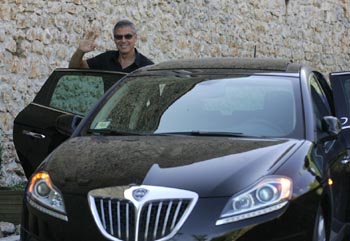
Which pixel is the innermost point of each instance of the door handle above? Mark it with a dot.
(33, 134)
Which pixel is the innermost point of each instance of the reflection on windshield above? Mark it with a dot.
(251, 105)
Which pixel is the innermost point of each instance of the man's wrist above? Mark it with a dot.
(79, 51)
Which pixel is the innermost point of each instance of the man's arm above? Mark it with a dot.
(77, 60)
(85, 45)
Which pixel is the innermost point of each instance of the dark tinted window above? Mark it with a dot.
(77, 93)
(344, 107)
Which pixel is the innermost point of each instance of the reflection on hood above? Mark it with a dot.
(92, 162)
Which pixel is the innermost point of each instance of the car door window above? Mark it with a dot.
(341, 89)
(77, 93)
(340, 82)
(343, 96)
(346, 84)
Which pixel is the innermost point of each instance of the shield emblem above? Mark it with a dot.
(139, 193)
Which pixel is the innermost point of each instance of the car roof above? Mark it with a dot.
(226, 64)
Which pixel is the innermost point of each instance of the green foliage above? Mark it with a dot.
(18, 187)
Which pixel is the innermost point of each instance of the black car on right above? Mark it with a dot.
(218, 149)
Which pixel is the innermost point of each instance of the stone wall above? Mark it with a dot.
(37, 36)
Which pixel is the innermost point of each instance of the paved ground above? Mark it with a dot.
(10, 238)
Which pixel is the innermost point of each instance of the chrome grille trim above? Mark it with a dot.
(110, 216)
(147, 220)
(166, 217)
(127, 222)
(103, 214)
(118, 215)
(140, 213)
(176, 214)
(157, 221)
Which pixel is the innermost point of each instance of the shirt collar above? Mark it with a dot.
(138, 58)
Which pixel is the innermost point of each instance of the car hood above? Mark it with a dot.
(209, 166)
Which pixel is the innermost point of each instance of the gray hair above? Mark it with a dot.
(125, 23)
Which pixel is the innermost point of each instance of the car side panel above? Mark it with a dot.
(35, 135)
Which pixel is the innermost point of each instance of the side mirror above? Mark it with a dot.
(332, 126)
(66, 124)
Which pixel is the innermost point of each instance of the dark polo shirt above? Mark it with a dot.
(109, 61)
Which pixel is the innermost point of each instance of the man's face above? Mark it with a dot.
(124, 39)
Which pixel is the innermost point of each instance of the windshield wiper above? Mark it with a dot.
(204, 133)
(110, 132)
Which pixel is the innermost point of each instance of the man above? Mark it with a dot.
(126, 59)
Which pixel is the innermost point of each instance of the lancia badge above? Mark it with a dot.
(139, 193)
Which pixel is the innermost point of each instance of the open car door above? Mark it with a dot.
(66, 91)
(340, 82)
(340, 173)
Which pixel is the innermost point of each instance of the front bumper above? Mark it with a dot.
(293, 222)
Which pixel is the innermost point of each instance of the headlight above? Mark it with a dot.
(44, 196)
(268, 195)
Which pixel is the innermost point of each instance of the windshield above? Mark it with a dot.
(246, 105)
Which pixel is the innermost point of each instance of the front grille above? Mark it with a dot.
(157, 219)
(150, 220)
(117, 217)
